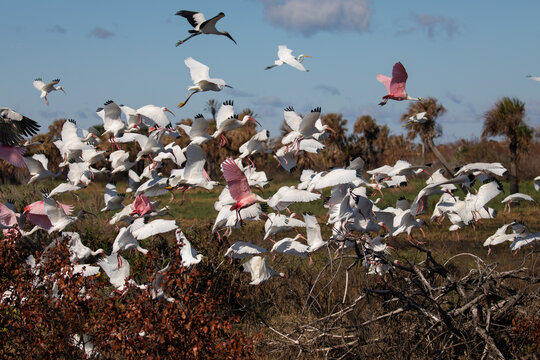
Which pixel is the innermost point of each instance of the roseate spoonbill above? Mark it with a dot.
(395, 85)
(57, 216)
(201, 25)
(47, 88)
(200, 75)
(285, 57)
(259, 269)
(14, 125)
(238, 186)
(13, 155)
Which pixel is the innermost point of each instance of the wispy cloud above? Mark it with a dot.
(57, 29)
(328, 89)
(101, 33)
(311, 16)
(270, 101)
(432, 25)
(53, 115)
(239, 93)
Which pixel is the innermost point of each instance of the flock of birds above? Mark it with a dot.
(349, 208)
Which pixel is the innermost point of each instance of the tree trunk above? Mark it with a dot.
(513, 174)
(439, 156)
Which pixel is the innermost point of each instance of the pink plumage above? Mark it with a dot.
(238, 185)
(395, 86)
(141, 205)
(35, 213)
(13, 155)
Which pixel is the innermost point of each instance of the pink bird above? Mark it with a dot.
(13, 155)
(35, 213)
(395, 86)
(238, 187)
(8, 218)
(141, 205)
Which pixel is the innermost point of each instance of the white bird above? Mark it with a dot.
(201, 25)
(126, 240)
(134, 181)
(120, 161)
(291, 246)
(227, 120)
(480, 167)
(285, 57)
(150, 144)
(524, 238)
(302, 127)
(197, 132)
(38, 168)
(112, 121)
(47, 88)
(142, 229)
(70, 144)
(194, 174)
(57, 216)
(78, 251)
(254, 145)
(535, 78)
(516, 197)
(277, 223)
(116, 268)
(200, 75)
(187, 253)
(242, 249)
(313, 232)
(418, 118)
(156, 115)
(113, 200)
(259, 269)
(500, 236)
(287, 195)
(536, 182)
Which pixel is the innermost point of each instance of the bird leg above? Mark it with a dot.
(385, 100)
(119, 259)
(252, 164)
(223, 140)
(184, 102)
(180, 42)
(47, 101)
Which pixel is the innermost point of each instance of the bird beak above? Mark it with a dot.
(230, 37)
(169, 111)
(64, 91)
(329, 128)
(255, 121)
(229, 86)
(307, 56)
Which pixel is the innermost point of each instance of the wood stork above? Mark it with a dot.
(14, 125)
(201, 25)
(47, 88)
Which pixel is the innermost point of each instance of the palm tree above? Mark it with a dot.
(212, 108)
(428, 130)
(506, 118)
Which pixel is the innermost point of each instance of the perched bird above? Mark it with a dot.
(200, 75)
(285, 57)
(47, 88)
(201, 25)
(14, 125)
(395, 85)
(259, 269)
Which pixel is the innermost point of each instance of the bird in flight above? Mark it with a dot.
(14, 125)
(201, 25)
(285, 57)
(395, 85)
(47, 88)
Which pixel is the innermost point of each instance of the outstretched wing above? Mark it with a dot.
(236, 180)
(399, 78)
(194, 18)
(197, 70)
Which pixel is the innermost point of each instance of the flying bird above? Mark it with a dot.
(47, 88)
(201, 25)
(200, 75)
(395, 85)
(535, 78)
(285, 57)
(14, 125)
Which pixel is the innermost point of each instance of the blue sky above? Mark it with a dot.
(467, 54)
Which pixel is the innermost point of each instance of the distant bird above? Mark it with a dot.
(285, 57)
(395, 85)
(418, 118)
(57, 216)
(14, 125)
(197, 132)
(287, 195)
(201, 25)
(47, 88)
(116, 268)
(292, 246)
(303, 128)
(238, 187)
(120, 161)
(200, 75)
(259, 269)
(277, 223)
(8, 217)
(187, 253)
(535, 78)
(77, 250)
(242, 249)
(113, 200)
(225, 124)
(516, 197)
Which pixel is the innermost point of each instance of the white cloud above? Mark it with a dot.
(311, 16)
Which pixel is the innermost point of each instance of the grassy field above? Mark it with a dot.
(310, 291)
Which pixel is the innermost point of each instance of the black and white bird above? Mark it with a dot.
(201, 25)
(14, 125)
(47, 88)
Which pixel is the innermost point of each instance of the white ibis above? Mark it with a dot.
(201, 25)
(187, 253)
(259, 269)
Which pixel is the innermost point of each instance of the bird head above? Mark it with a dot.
(302, 56)
(249, 118)
(169, 111)
(61, 89)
